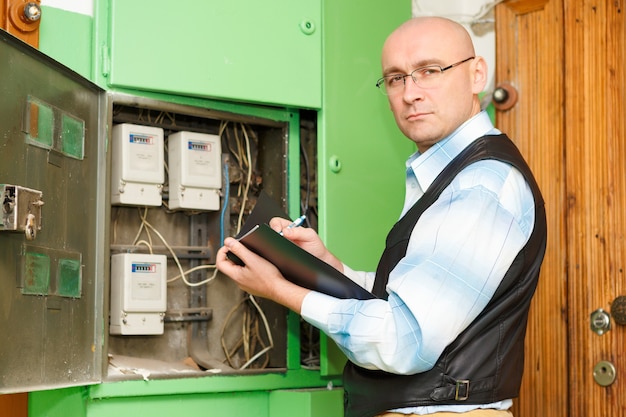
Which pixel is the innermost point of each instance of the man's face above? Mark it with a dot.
(427, 115)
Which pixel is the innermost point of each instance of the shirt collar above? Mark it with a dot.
(428, 165)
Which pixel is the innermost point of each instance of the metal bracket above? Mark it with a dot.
(21, 210)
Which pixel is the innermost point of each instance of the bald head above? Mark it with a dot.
(454, 31)
(439, 38)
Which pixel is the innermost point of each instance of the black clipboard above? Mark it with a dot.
(296, 264)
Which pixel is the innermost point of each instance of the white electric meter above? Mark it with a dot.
(138, 293)
(137, 165)
(195, 173)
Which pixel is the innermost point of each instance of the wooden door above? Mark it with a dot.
(14, 405)
(566, 61)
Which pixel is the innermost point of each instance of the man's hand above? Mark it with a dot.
(259, 277)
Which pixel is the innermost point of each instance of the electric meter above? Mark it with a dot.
(195, 173)
(138, 293)
(137, 165)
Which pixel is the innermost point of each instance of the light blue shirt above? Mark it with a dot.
(458, 253)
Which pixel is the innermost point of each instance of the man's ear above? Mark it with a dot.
(479, 74)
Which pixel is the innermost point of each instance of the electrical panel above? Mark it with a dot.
(137, 165)
(195, 174)
(138, 293)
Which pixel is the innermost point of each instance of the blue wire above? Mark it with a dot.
(226, 196)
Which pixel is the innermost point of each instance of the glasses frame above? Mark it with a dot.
(381, 80)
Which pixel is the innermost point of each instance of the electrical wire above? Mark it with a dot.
(238, 142)
(143, 242)
(309, 346)
(225, 204)
(250, 334)
(248, 178)
(304, 203)
(267, 329)
(183, 275)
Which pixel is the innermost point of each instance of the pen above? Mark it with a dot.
(295, 223)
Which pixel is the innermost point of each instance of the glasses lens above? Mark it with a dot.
(392, 84)
(381, 86)
(427, 77)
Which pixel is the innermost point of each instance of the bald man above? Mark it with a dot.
(446, 332)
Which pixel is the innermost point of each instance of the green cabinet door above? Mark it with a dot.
(243, 50)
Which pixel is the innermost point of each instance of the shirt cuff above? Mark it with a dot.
(317, 308)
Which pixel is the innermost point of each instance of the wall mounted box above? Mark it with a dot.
(195, 170)
(137, 165)
(138, 293)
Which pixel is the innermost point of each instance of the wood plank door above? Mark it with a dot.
(565, 59)
(14, 405)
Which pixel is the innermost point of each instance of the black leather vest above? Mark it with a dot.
(486, 361)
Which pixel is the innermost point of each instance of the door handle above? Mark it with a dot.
(618, 310)
(504, 96)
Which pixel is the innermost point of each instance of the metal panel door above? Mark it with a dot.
(52, 165)
(242, 50)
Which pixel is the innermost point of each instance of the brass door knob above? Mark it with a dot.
(618, 310)
(504, 96)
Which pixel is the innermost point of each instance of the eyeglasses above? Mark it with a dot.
(428, 76)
